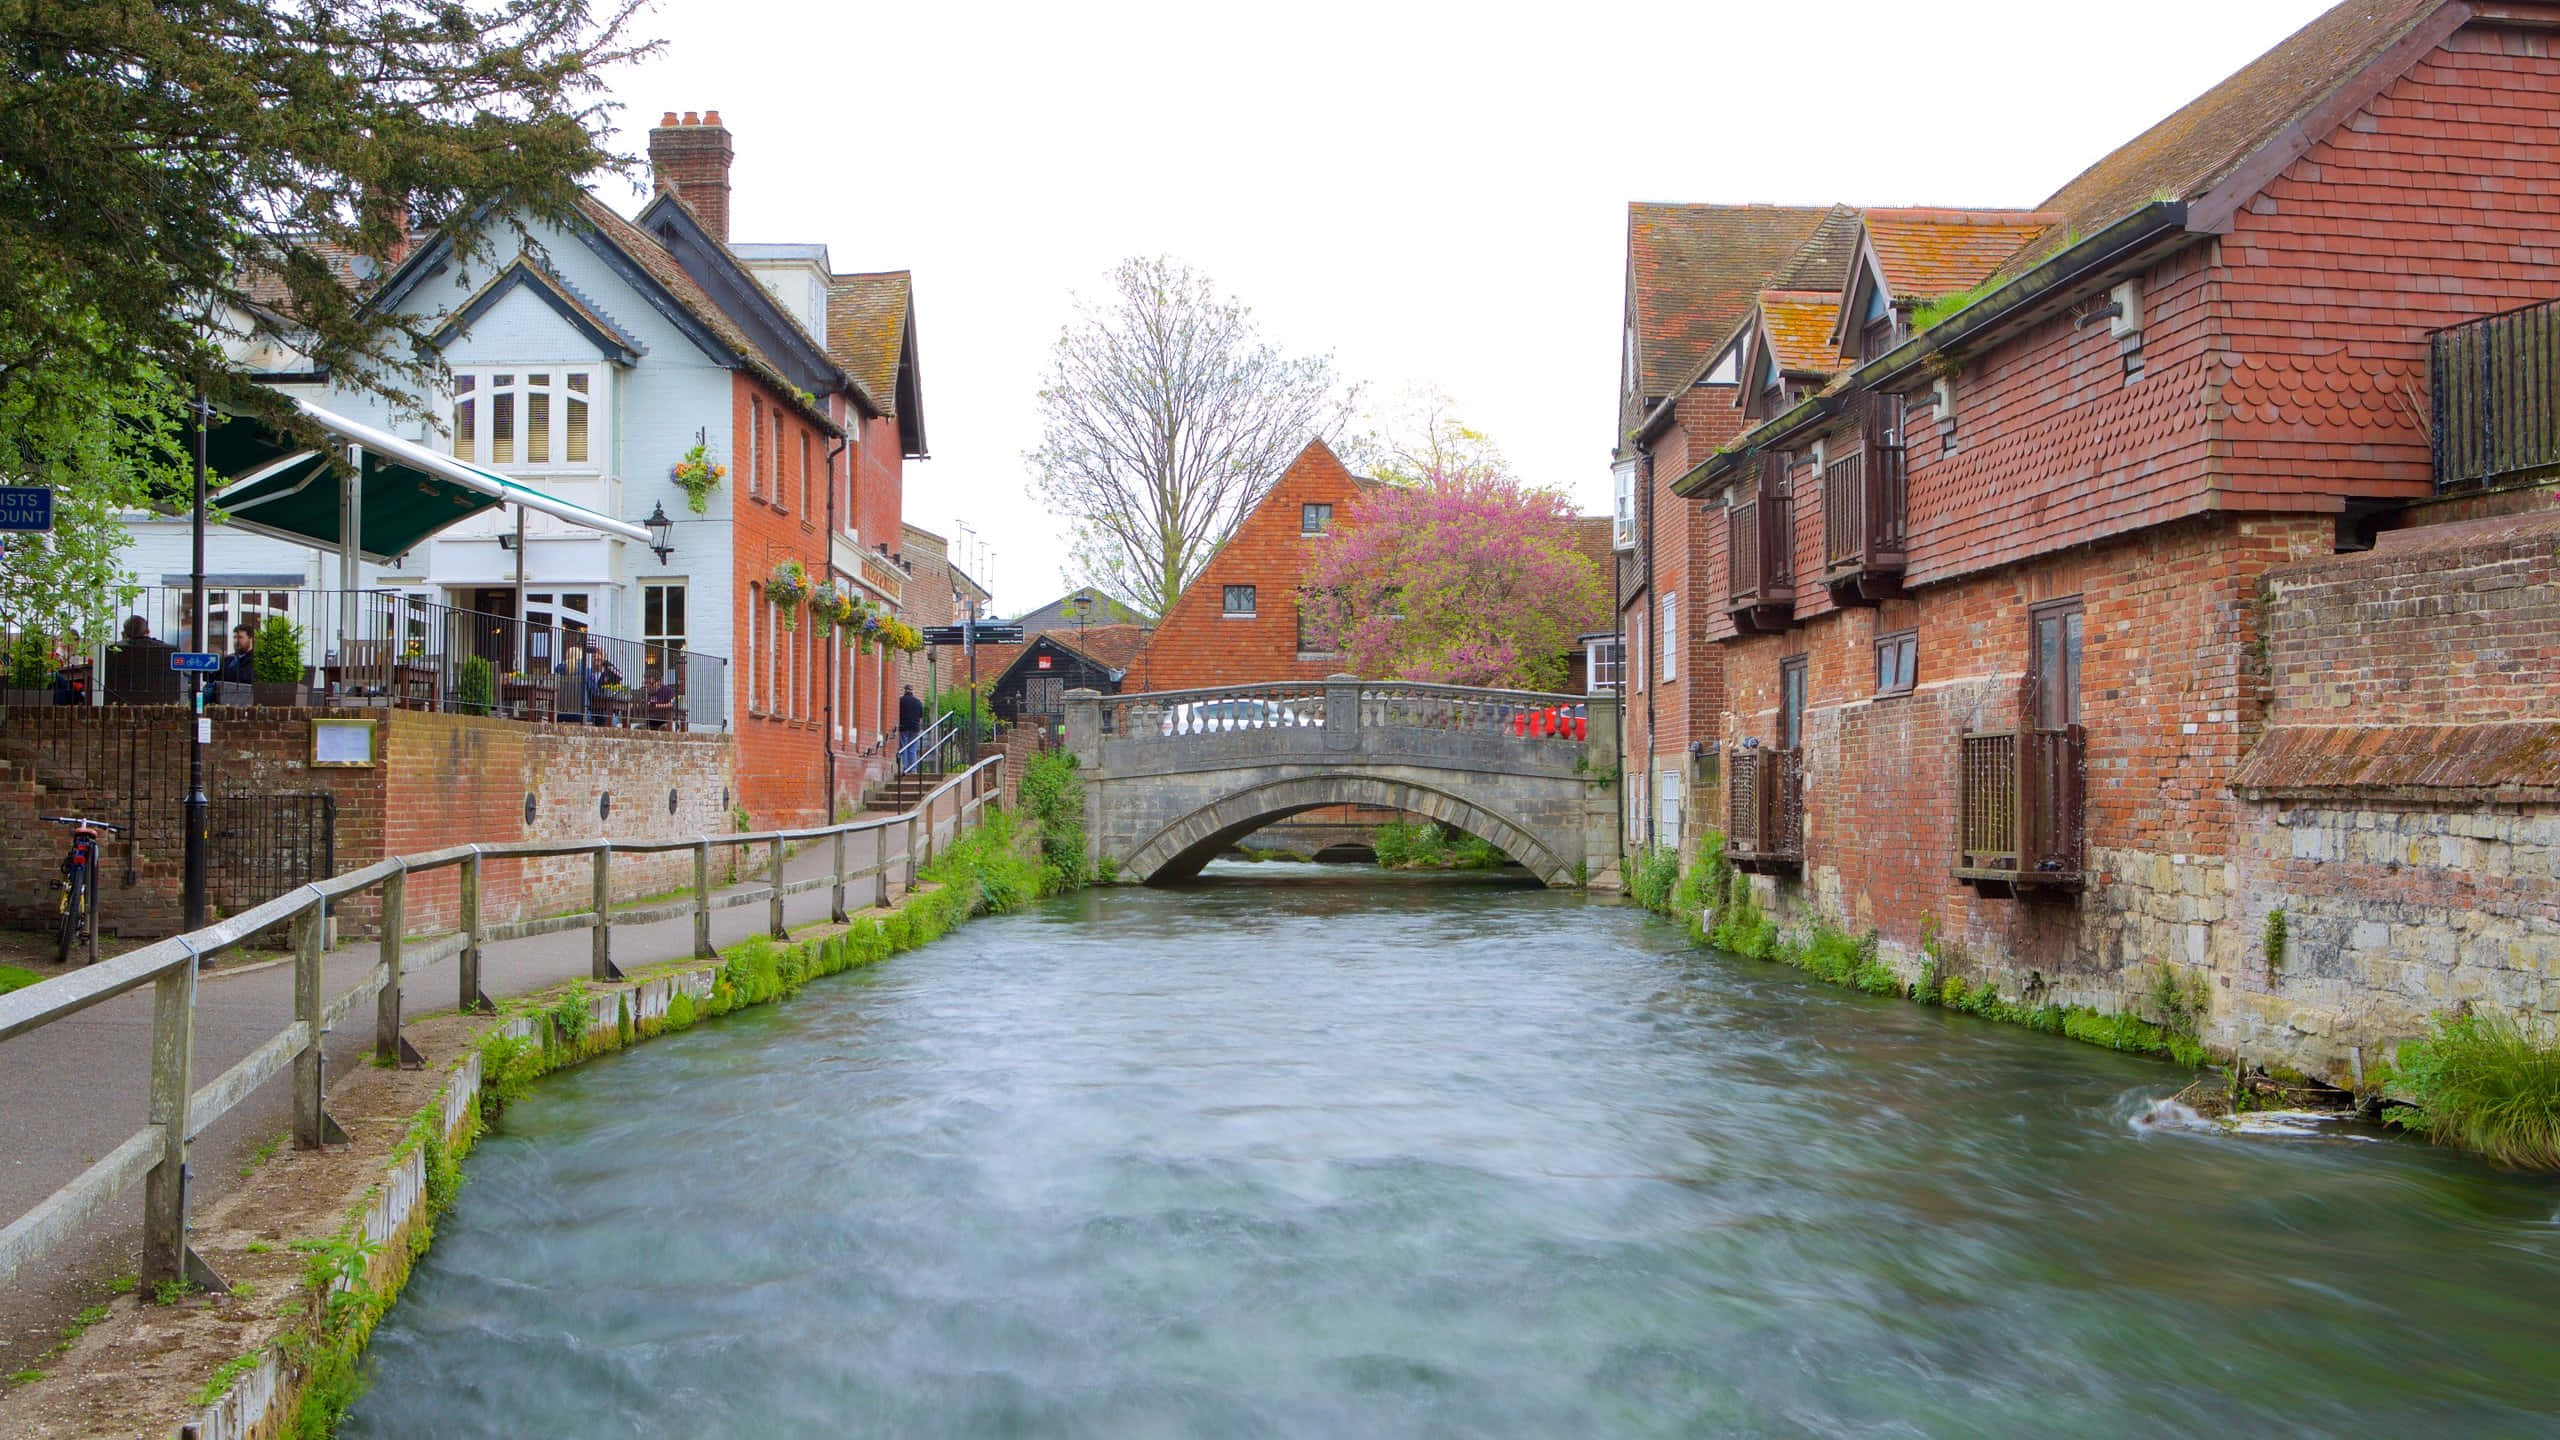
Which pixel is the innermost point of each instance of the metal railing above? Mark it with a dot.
(2022, 805)
(929, 752)
(180, 1110)
(1382, 704)
(408, 651)
(2494, 395)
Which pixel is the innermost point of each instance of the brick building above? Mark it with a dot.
(1237, 621)
(1988, 562)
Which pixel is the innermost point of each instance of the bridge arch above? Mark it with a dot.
(1179, 849)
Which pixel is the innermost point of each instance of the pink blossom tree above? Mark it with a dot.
(1466, 577)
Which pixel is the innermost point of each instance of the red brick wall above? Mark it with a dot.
(444, 780)
(781, 765)
(2170, 698)
(1197, 645)
(1661, 720)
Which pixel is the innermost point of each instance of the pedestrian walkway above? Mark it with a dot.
(75, 1089)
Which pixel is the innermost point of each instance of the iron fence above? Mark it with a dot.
(396, 647)
(263, 845)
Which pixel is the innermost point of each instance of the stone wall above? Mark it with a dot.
(444, 780)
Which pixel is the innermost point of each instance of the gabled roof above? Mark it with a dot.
(2270, 102)
(784, 342)
(1923, 254)
(1113, 647)
(1797, 325)
(871, 332)
(559, 295)
(1822, 261)
(1693, 271)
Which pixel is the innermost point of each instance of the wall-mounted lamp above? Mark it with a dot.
(661, 532)
(506, 539)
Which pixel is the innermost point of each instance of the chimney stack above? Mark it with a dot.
(690, 156)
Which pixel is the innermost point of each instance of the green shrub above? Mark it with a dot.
(30, 662)
(276, 654)
(2486, 1084)
(1740, 926)
(474, 685)
(1472, 853)
(1053, 800)
(1657, 871)
(1399, 845)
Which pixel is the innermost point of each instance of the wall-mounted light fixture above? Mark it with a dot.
(506, 539)
(661, 532)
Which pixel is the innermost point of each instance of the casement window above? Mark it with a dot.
(1604, 665)
(755, 446)
(2053, 673)
(804, 470)
(1311, 644)
(747, 666)
(1622, 524)
(1239, 602)
(1666, 809)
(1897, 662)
(1773, 386)
(1637, 648)
(1315, 519)
(554, 621)
(527, 419)
(662, 634)
(1670, 638)
(1791, 682)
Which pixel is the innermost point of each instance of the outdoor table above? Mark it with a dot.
(536, 699)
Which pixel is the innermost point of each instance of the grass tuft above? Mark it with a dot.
(2486, 1084)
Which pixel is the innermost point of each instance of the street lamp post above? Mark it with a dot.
(196, 819)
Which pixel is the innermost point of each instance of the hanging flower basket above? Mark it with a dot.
(699, 474)
(832, 606)
(788, 587)
(899, 635)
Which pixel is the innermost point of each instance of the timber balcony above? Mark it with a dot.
(1863, 511)
(2494, 388)
(1760, 560)
(2022, 811)
(1764, 811)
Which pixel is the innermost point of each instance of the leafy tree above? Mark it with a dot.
(178, 174)
(1417, 434)
(104, 449)
(1463, 579)
(1164, 417)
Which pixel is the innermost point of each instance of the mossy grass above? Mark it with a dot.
(2483, 1083)
(16, 977)
(1429, 847)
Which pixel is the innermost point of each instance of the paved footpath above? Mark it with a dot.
(75, 1089)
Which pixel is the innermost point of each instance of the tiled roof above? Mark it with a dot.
(867, 328)
(2512, 761)
(264, 284)
(645, 252)
(1694, 270)
(1115, 647)
(2188, 153)
(1822, 261)
(1928, 253)
(1799, 323)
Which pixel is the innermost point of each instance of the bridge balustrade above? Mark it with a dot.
(1413, 705)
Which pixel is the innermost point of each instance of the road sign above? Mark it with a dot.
(203, 662)
(987, 632)
(26, 507)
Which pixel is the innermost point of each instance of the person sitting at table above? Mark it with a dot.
(662, 701)
(573, 661)
(240, 667)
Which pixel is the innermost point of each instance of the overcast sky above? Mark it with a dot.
(1435, 194)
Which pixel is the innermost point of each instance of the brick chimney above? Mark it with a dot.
(690, 156)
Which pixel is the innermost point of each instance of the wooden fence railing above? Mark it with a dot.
(180, 1110)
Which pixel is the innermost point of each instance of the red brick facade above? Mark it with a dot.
(782, 670)
(2260, 404)
(1199, 644)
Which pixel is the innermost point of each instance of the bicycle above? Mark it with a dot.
(77, 890)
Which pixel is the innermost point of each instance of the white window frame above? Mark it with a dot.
(1636, 652)
(1666, 823)
(1604, 665)
(482, 392)
(747, 665)
(1622, 526)
(1670, 638)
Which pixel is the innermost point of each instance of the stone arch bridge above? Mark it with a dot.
(1173, 778)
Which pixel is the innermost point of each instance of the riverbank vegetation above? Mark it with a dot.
(1052, 796)
(1428, 847)
(2486, 1084)
(1716, 902)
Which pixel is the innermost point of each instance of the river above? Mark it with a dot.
(1308, 1151)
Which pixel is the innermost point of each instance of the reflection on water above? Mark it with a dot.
(1310, 1151)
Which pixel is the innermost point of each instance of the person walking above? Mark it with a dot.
(910, 721)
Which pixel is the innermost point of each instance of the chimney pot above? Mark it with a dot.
(710, 117)
(669, 119)
(691, 118)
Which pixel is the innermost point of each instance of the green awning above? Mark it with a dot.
(271, 485)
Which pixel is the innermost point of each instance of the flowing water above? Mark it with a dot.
(1316, 1152)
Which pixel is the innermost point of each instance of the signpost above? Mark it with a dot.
(195, 662)
(26, 507)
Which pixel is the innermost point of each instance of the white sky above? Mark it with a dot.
(1433, 193)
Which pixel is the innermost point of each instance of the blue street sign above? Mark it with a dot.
(198, 660)
(26, 507)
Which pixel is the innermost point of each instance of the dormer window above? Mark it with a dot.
(1773, 387)
(1878, 326)
(1726, 371)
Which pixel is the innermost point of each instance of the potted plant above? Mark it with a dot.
(699, 474)
(30, 672)
(275, 663)
(787, 587)
(475, 685)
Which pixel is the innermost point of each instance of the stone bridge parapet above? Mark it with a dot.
(1174, 778)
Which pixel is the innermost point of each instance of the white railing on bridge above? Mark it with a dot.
(180, 1111)
(1380, 704)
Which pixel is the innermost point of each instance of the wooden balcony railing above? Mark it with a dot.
(1760, 554)
(2494, 388)
(1864, 515)
(1764, 810)
(2022, 810)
